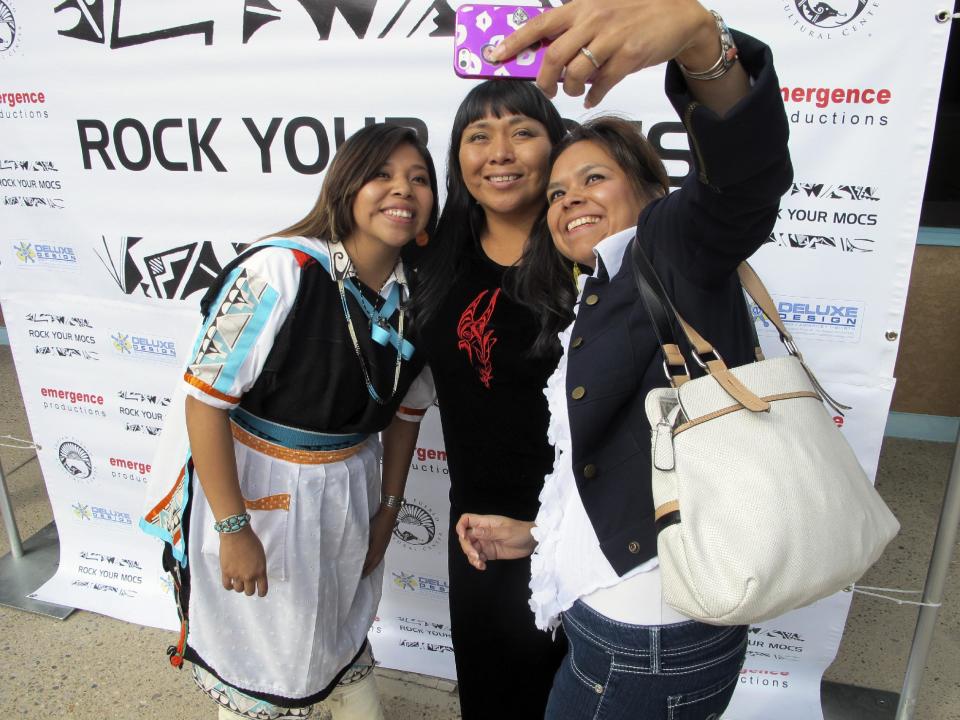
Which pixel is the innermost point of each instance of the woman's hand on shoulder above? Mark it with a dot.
(622, 36)
(494, 537)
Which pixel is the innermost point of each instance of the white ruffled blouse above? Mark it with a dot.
(568, 563)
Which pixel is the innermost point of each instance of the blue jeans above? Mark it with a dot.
(684, 671)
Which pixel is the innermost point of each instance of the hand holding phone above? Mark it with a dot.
(480, 28)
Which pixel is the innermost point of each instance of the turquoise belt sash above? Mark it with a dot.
(291, 437)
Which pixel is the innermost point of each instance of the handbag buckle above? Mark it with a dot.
(701, 362)
(666, 371)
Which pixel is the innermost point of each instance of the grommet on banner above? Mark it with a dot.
(946, 16)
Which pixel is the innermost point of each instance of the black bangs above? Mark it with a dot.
(463, 220)
(508, 97)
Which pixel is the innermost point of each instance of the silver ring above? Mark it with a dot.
(590, 56)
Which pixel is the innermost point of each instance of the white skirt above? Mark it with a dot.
(314, 527)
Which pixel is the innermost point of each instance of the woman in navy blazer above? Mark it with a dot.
(594, 540)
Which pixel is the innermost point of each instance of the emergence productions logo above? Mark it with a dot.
(129, 469)
(828, 20)
(144, 347)
(73, 401)
(75, 460)
(430, 460)
(834, 320)
(417, 527)
(9, 34)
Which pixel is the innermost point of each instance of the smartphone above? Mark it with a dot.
(480, 28)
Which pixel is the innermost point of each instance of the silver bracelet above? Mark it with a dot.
(728, 55)
(232, 524)
(393, 501)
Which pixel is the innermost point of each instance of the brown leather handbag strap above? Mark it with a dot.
(660, 308)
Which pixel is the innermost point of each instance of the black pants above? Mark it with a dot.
(505, 665)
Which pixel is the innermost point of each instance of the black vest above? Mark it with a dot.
(312, 377)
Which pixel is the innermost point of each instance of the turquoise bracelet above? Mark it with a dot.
(232, 524)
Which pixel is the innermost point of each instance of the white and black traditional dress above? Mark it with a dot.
(307, 398)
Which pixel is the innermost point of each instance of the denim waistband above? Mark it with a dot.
(291, 437)
(676, 639)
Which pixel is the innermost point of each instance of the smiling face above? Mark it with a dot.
(590, 197)
(393, 206)
(504, 163)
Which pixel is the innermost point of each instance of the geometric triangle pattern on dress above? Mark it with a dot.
(240, 304)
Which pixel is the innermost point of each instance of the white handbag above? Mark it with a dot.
(761, 504)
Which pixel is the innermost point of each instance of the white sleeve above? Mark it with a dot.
(237, 336)
(419, 397)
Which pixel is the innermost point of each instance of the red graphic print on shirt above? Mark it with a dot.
(474, 337)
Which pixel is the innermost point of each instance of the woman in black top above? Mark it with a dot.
(489, 374)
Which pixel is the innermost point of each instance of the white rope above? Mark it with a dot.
(864, 590)
(945, 16)
(24, 444)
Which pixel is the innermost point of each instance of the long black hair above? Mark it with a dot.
(462, 220)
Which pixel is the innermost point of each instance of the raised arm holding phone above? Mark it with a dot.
(594, 562)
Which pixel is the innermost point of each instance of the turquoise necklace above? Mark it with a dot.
(381, 331)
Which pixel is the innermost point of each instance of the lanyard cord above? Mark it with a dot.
(384, 324)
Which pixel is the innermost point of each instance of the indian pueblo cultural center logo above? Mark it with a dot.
(830, 20)
(416, 526)
(75, 460)
(9, 30)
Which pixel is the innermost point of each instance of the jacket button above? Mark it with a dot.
(578, 392)
(577, 342)
(589, 471)
(592, 299)
(634, 547)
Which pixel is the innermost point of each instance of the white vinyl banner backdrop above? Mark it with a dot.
(142, 143)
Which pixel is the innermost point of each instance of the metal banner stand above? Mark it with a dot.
(933, 590)
(847, 702)
(28, 564)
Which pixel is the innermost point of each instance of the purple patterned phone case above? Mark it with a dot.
(482, 27)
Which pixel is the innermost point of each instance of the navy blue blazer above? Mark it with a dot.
(695, 238)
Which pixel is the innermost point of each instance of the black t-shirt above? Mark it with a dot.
(490, 391)
(312, 378)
